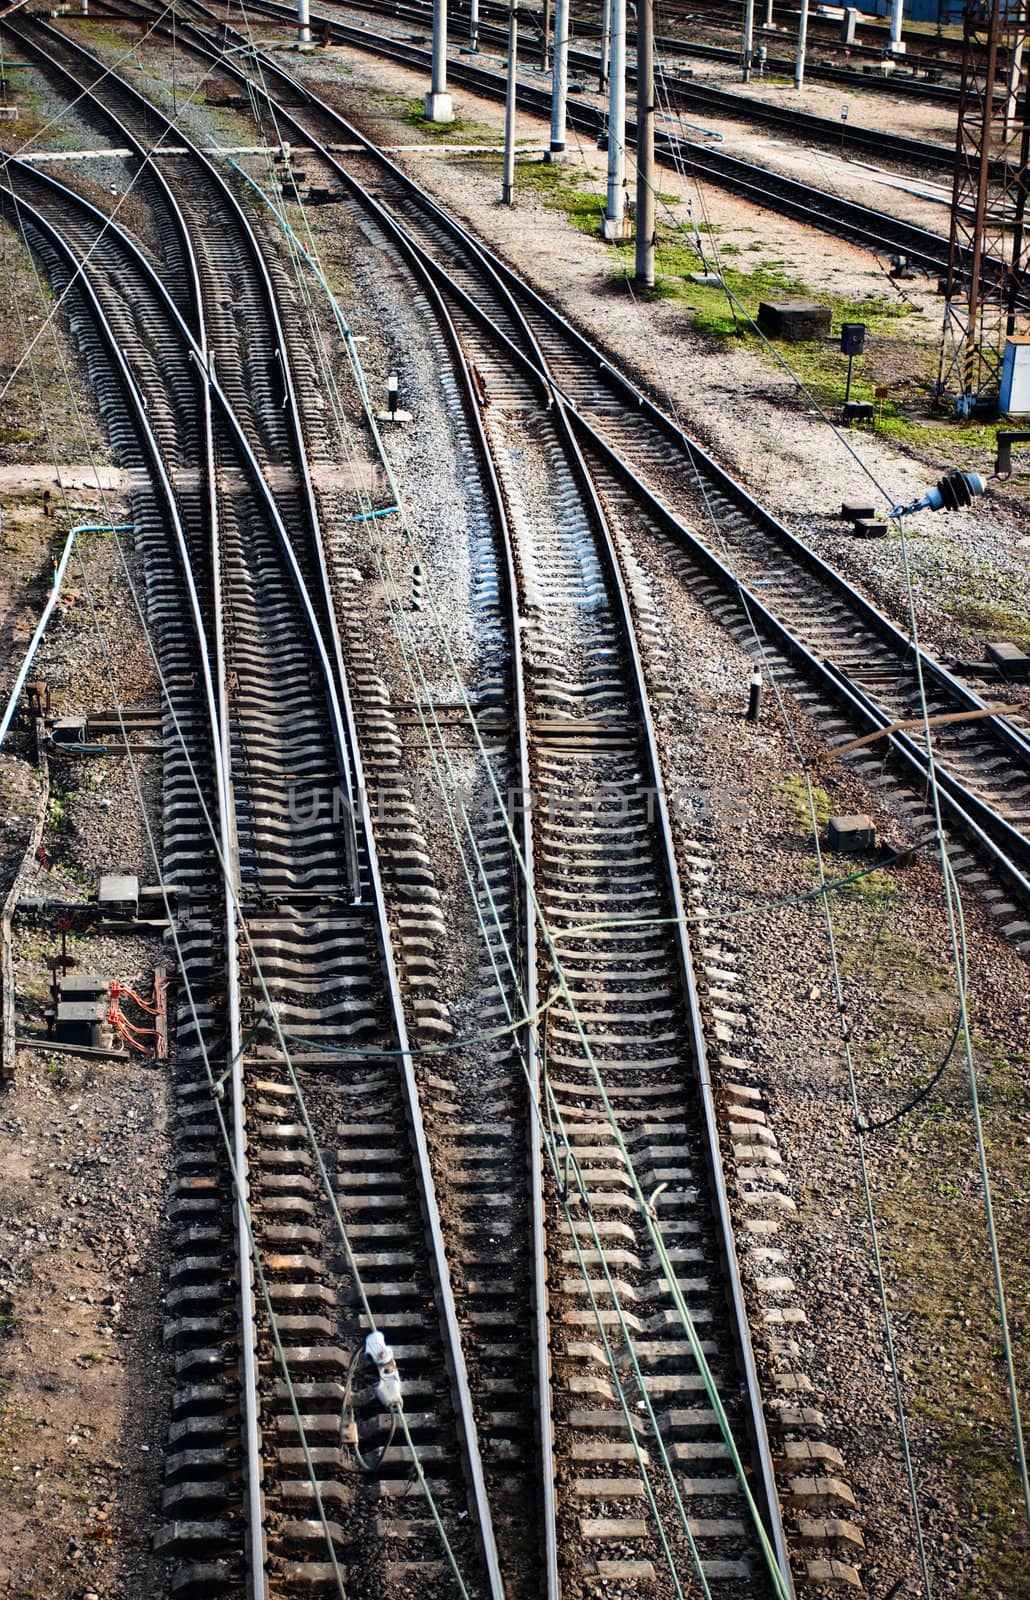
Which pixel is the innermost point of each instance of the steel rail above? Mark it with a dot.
(536, 366)
(225, 815)
(943, 94)
(346, 739)
(691, 95)
(1001, 728)
(878, 231)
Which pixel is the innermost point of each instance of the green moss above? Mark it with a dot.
(462, 130)
(795, 792)
(994, 621)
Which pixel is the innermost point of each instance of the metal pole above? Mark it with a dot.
(48, 610)
(559, 79)
(749, 38)
(303, 21)
(614, 225)
(545, 35)
(799, 63)
(606, 45)
(644, 269)
(768, 13)
(897, 12)
(439, 107)
(474, 25)
(508, 181)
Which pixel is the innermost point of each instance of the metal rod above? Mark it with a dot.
(749, 40)
(799, 62)
(616, 198)
(644, 268)
(606, 46)
(48, 611)
(847, 386)
(559, 77)
(508, 180)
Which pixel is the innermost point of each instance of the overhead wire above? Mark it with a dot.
(678, 1301)
(258, 1268)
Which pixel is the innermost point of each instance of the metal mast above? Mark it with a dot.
(987, 290)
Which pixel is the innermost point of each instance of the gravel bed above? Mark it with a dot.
(83, 1408)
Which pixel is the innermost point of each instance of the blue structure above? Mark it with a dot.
(947, 12)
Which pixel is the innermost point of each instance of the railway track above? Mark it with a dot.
(651, 1018)
(880, 232)
(619, 1031)
(807, 611)
(681, 92)
(307, 956)
(674, 47)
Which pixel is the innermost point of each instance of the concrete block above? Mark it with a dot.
(856, 511)
(851, 835)
(1009, 658)
(118, 894)
(870, 528)
(439, 108)
(858, 411)
(794, 320)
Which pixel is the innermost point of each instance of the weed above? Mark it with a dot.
(795, 792)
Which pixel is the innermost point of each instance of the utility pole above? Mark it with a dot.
(606, 46)
(897, 44)
(749, 39)
(768, 13)
(799, 63)
(559, 81)
(303, 21)
(545, 36)
(439, 106)
(644, 268)
(508, 180)
(474, 25)
(615, 225)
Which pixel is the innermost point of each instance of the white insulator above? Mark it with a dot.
(377, 1349)
(388, 1389)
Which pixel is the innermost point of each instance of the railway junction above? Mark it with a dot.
(515, 802)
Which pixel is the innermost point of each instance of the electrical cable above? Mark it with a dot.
(257, 1265)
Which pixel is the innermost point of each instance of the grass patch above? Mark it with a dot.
(463, 130)
(991, 620)
(795, 792)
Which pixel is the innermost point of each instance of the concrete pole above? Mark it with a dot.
(768, 13)
(474, 25)
(615, 225)
(606, 46)
(545, 36)
(749, 39)
(559, 81)
(439, 106)
(508, 180)
(896, 46)
(303, 21)
(799, 62)
(644, 268)
(1010, 122)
